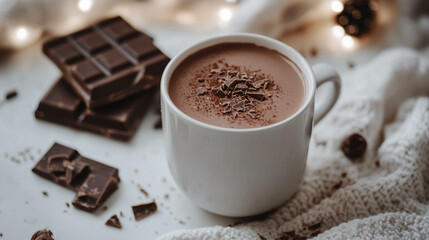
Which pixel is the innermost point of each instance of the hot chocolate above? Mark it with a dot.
(237, 85)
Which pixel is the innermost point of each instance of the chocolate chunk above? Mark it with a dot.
(107, 62)
(114, 222)
(201, 90)
(144, 210)
(119, 120)
(258, 96)
(93, 182)
(42, 235)
(45, 193)
(354, 146)
(11, 94)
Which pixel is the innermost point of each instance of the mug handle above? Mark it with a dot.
(324, 73)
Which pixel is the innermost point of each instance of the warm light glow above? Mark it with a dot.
(84, 5)
(338, 31)
(348, 42)
(225, 14)
(337, 6)
(184, 17)
(21, 34)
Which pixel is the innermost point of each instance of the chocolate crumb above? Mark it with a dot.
(351, 65)
(104, 208)
(354, 146)
(42, 235)
(67, 204)
(377, 163)
(315, 226)
(11, 94)
(45, 193)
(121, 214)
(143, 191)
(113, 221)
(143, 210)
(166, 196)
(201, 80)
(344, 174)
(182, 222)
(338, 185)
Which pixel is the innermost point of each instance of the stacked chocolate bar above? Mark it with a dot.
(111, 72)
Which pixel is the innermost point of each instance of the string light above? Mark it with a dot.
(338, 31)
(348, 42)
(225, 14)
(84, 5)
(21, 34)
(337, 6)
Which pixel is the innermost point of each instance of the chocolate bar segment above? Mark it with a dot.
(92, 181)
(107, 62)
(119, 120)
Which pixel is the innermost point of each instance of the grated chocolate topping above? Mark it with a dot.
(238, 90)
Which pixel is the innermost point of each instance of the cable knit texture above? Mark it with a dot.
(383, 195)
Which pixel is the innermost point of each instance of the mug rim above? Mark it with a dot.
(276, 45)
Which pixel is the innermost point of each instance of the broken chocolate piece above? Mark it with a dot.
(119, 120)
(354, 146)
(42, 235)
(107, 62)
(114, 222)
(93, 182)
(143, 210)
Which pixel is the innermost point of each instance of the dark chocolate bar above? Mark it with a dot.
(119, 120)
(107, 62)
(92, 181)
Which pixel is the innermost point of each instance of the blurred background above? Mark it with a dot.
(337, 28)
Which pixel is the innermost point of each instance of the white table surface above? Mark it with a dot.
(23, 207)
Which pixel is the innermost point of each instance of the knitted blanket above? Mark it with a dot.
(382, 195)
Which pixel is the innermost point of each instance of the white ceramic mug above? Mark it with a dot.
(243, 172)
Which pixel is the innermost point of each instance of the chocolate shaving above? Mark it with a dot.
(237, 91)
(143, 210)
(201, 90)
(258, 96)
(114, 222)
(218, 92)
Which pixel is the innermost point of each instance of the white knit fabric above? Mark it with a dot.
(385, 195)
